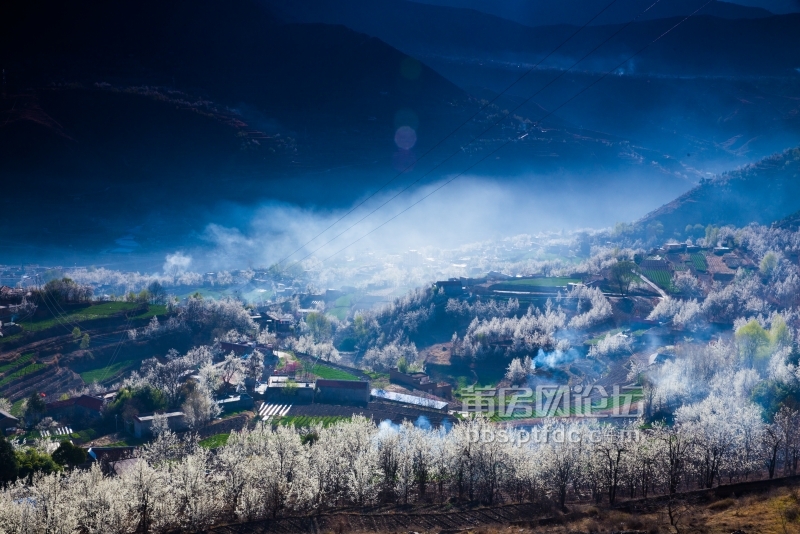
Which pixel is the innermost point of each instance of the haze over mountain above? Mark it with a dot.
(710, 90)
(149, 127)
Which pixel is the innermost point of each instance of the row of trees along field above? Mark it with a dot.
(264, 473)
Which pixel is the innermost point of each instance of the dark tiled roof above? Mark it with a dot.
(111, 454)
(6, 415)
(84, 401)
(342, 384)
(60, 404)
(92, 403)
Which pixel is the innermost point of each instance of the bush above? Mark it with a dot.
(32, 461)
(69, 454)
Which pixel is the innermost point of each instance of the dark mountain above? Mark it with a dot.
(709, 123)
(116, 110)
(127, 126)
(703, 46)
(546, 13)
(700, 95)
(762, 192)
(233, 53)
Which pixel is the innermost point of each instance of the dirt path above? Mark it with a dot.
(654, 286)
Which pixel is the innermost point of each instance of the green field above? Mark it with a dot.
(19, 362)
(341, 307)
(308, 420)
(32, 368)
(323, 371)
(215, 441)
(16, 408)
(699, 262)
(8, 339)
(662, 278)
(339, 313)
(152, 311)
(95, 311)
(101, 373)
(542, 282)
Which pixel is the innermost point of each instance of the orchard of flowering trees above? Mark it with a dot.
(506, 337)
(267, 472)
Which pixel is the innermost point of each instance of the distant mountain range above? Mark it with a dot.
(705, 45)
(548, 13)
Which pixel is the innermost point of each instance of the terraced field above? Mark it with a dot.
(107, 372)
(699, 262)
(19, 362)
(323, 371)
(342, 307)
(91, 313)
(27, 370)
(662, 278)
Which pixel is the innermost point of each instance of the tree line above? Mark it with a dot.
(266, 472)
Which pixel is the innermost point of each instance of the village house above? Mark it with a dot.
(76, 407)
(342, 391)
(143, 424)
(674, 247)
(718, 270)
(422, 382)
(280, 324)
(452, 287)
(111, 460)
(234, 403)
(7, 421)
(281, 388)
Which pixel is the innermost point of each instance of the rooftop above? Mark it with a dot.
(150, 417)
(408, 399)
(343, 384)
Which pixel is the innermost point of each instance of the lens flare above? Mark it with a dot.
(405, 137)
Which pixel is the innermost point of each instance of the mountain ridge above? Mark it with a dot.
(762, 192)
(545, 13)
(703, 45)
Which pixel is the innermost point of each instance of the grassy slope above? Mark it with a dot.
(101, 373)
(96, 311)
(323, 371)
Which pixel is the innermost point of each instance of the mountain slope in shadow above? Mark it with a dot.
(762, 192)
